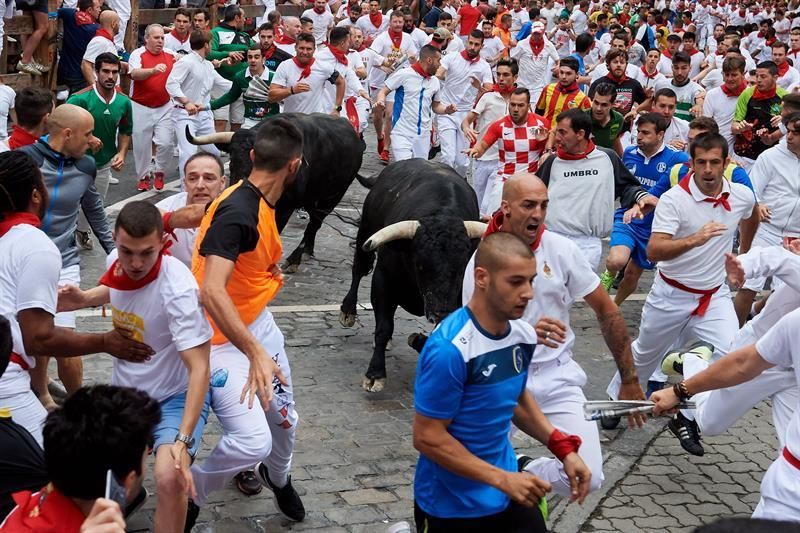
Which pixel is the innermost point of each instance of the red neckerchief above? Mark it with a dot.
(574, 157)
(397, 39)
(340, 56)
(648, 75)
(103, 33)
(15, 219)
(758, 95)
(469, 59)
(615, 79)
(769, 42)
(735, 92)
(722, 199)
(418, 69)
(568, 89)
(376, 19)
(318, 12)
(741, 12)
(175, 34)
(306, 69)
(692, 52)
(496, 223)
(82, 18)
(20, 138)
(536, 47)
(783, 68)
(518, 10)
(508, 90)
(116, 278)
(285, 39)
(362, 47)
(268, 53)
(667, 54)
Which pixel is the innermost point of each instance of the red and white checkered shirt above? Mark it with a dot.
(519, 148)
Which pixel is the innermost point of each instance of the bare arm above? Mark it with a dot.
(87, 69)
(341, 85)
(196, 361)
(279, 93)
(139, 74)
(747, 230)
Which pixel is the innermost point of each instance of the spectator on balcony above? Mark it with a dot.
(80, 26)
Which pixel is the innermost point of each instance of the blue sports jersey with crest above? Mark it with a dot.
(474, 379)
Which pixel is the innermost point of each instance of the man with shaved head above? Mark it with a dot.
(563, 275)
(69, 176)
(102, 42)
(470, 386)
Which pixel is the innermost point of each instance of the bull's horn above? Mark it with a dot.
(475, 230)
(399, 230)
(224, 137)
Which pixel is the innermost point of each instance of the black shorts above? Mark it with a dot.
(34, 5)
(514, 519)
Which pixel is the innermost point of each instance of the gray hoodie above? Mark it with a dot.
(70, 184)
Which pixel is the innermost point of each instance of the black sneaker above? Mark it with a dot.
(522, 462)
(618, 279)
(609, 422)
(688, 434)
(286, 498)
(247, 483)
(192, 510)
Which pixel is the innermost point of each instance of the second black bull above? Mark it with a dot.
(422, 219)
(332, 154)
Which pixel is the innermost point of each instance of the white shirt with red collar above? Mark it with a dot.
(682, 211)
(369, 27)
(384, 46)
(173, 42)
(289, 73)
(322, 23)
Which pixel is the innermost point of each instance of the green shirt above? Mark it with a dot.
(109, 117)
(606, 135)
(255, 108)
(224, 40)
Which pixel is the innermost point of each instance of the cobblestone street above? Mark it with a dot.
(354, 461)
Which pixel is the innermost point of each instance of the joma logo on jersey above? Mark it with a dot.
(581, 173)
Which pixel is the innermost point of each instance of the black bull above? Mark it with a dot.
(423, 217)
(332, 155)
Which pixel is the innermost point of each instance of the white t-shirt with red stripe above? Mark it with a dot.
(519, 149)
(152, 91)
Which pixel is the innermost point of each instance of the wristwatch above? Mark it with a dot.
(337, 108)
(188, 440)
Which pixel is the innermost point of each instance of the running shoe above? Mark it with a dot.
(606, 280)
(384, 157)
(84, 240)
(144, 184)
(688, 434)
(672, 362)
(28, 68)
(41, 68)
(158, 180)
(113, 181)
(247, 483)
(302, 214)
(286, 498)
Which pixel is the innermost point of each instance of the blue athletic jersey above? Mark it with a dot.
(739, 175)
(649, 171)
(475, 380)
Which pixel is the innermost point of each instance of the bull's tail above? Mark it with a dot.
(367, 183)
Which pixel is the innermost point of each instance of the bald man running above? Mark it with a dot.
(563, 275)
(69, 177)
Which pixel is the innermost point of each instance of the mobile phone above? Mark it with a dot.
(115, 491)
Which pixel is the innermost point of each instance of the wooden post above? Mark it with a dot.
(132, 32)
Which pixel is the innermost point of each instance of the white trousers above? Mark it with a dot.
(152, 125)
(408, 147)
(26, 409)
(557, 387)
(779, 489)
(200, 124)
(719, 409)
(590, 247)
(667, 321)
(123, 9)
(453, 142)
(493, 194)
(482, 173)
(101, 184)
(249, 435)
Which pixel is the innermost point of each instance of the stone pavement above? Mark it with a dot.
(354, 461)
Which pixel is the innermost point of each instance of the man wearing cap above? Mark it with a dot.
(534, 54)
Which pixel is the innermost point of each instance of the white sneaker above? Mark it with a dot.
(40, 67)
(29, 68)
(113, 181)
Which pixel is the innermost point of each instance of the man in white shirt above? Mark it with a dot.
(190, 84)
(491, 107)
(677, 134)
(535, 55)
(102, 42)
(555, 379)
(720, 103)
(787, 76)
(323, 20)
(580, 18)
(178, 39)
(418, 37)
(694, 224)
(154, 298)
(493, 48)
(373, 23)
(519, 16)
(463, 76)
(411, 131)
(291, 29)
(300, 82)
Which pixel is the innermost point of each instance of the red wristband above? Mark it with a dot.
(562, 445)
(168, 229)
